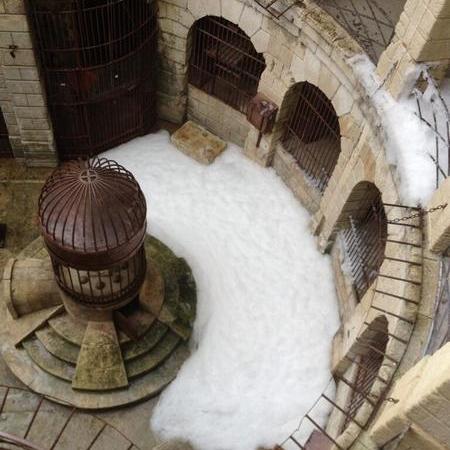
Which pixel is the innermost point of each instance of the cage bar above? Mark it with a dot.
(224, 62)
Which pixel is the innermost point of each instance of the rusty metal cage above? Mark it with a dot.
(312, 133)
(98, 59)
(365, 241)
(93, 219)
(224, 62)
(5, 146)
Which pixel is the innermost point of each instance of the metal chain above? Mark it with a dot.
(421, 213)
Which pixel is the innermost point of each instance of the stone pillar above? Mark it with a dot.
(419, 416)
(175, 21)
(422, 35)
(22, 96)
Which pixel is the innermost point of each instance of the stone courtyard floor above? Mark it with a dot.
(19, 192)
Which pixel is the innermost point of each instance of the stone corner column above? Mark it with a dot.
(422, 35)
(421, 406)
(438, 222)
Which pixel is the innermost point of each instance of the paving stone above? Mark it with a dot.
(100, 365)
(58, 346)
(47, 361)
(198, 143)
(149, 361)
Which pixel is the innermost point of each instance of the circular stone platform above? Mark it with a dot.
(99, 365)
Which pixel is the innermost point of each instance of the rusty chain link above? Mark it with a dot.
(421, 213)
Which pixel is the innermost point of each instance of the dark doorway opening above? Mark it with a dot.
(98, 59)
(5, 146)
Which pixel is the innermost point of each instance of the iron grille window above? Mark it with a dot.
(369, 364)
(364, 242)
(312, 134)
(98, 60)
(224, 62)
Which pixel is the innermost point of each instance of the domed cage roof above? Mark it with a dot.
(92, 214)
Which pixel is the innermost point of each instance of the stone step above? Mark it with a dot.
(73, 330)
(57, 346)
(132, 350)
(144, 387)
(100, 365)
(46, 361)
(151, 360)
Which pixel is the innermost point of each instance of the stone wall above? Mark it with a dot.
(217, 116)
(22, 97)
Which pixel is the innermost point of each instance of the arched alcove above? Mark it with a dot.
(363, 226)
(311, 132)
(223, 62)
(368, 356)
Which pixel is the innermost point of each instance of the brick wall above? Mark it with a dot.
(22, 97)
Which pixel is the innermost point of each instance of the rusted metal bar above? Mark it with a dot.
(391, 277)
(413, 263)
(392, 314)
(58, 437)
(403, 224)
(414, 208)
(98, 434)
(399, 297)
(342, 411)
(312, 133)
(403, 341)
(18, 442)
(323, 431)
(36, 411)
(300, 446)
(2, 405)
(363, 367)
(356, 389)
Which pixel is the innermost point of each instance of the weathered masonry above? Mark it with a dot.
(77, 78)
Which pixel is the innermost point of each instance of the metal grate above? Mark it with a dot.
(371, 22)
(224, 62)
(312, 134)
(368, 366)
(5, 146)
(433, 111)
(364, 242)
(278, 8)
(34, 410)
(98, 57)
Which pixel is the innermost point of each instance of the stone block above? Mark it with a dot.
(232, 10)
(198, 143)
(201, 8)
(250, 20)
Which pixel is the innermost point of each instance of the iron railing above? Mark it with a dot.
(433, 111)
(98, 62)
(278, 8)
(35, 412)
(370, 353)
(370, 22)
(312, 134)
(224, 62)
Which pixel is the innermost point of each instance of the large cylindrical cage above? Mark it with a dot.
(93, 219)
(99, 63)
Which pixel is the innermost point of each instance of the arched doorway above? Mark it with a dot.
(98, 60)
(223, 62)
(363, 223)
(311, 132)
